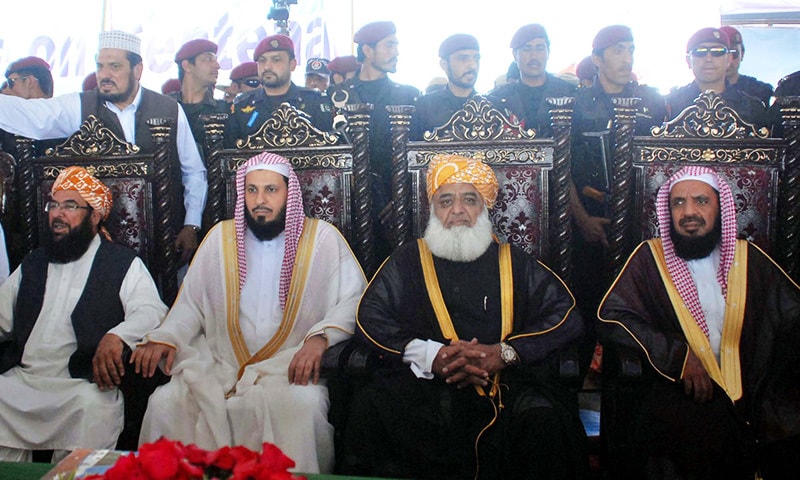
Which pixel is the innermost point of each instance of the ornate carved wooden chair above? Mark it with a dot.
(327, 171)
(710, 134)
(532, 205)
(143, 217)
(8, 203)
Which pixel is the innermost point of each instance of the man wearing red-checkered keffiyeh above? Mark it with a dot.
(266, 294)
(718, 323)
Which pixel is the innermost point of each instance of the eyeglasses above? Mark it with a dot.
(67, 206)
(703, 51)
(250, 82)
(12, 81)
(734, 54)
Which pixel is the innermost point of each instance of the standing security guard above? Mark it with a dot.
(377, 52)
(525, 99)
(276, 62)
(460, 59)
(592, 156)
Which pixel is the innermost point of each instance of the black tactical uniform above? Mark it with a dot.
(591, 168)
(754, 87)
(749, 108)
(380, 93)
(528, 104)
(434, 110)
(193, 111)
(251, 109)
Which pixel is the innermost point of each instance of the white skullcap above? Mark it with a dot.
(121, 40)
(280, 168)
(706, 178)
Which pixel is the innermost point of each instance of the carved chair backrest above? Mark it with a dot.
(525, 212)
(323, 167)
(143, 215)
(710, 134)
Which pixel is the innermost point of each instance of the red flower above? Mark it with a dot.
(169, 460)
(195, 455)
(273, 456)
(126, 467)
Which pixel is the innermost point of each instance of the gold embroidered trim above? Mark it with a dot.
(729, 377)
(302, 264)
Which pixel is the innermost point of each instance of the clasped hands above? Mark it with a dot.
(465, 363)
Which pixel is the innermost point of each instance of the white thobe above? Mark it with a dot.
(58, 117)
(260, 311)
(709, 292)
(205, 402)
(41, 405)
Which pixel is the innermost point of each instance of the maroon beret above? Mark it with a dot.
(527, 33)
(317, 66)
(710, 35)
(274, 43)
(586, 69)
(27, 62)
(374, 32)
(459, 41)
(610, 36)
(342, 65)
(734, 36)
(171, 85)
(90, 82)
(244, 70)
(193, 48)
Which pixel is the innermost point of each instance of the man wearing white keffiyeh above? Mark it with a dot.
(719, 323)
(265, 295)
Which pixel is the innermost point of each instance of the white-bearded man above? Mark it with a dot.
(469, 327)
(266, 294)
(719, 323)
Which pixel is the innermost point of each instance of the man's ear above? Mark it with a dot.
(293, 64)
(95, 218)
(137, 71)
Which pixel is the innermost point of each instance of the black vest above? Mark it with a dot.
(98, 310)
(153, 105)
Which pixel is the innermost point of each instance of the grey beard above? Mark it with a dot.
(462, 243)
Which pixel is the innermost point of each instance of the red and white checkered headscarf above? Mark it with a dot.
(294, 220)
(677, 266)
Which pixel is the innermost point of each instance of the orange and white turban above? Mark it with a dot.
(447, 169)
(90, 188)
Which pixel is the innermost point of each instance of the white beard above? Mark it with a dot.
(462, 243)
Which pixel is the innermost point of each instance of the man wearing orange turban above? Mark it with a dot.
(457, 309)
(67, 314)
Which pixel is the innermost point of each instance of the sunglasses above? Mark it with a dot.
(250, 82)
(12, 81)
(703, 51)
(734, 54)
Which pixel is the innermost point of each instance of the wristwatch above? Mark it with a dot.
(508, 355)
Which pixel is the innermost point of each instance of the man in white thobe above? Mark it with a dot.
(265, 295)
(66, 315)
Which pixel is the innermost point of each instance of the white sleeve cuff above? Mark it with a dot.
(419, 354)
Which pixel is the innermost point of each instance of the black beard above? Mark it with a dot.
(693, 248)
(266, 230)
(70, 247)
(118, 97)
